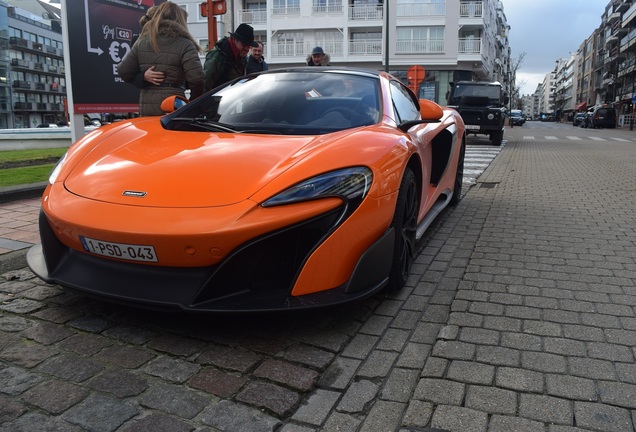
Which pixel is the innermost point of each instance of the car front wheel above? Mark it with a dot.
(405, 226)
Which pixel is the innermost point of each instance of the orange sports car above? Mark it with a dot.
(288, 189)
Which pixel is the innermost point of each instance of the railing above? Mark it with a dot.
(365, 47)
(288, 49)
(286, 11)
(331, 47)
(23, 106)
(253, 16)
(330, 9)
(366, 12)
(427, 46)
(421, 9)
(471, 9)
(469, 46)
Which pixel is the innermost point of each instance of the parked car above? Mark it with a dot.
(517, 118)
(578, 119)
(603, 117)
(289, 189)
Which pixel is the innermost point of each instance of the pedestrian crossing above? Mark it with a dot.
(575, 138)
(477, 159)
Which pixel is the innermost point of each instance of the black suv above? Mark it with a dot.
(603, 117)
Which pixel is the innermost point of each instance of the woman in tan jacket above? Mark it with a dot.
(164, 61)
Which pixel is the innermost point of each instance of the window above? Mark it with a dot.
(405, 107)
(326, 6)
(420, 40)
(411, 8)
(204, 44)
(286, 7)
(330, 41)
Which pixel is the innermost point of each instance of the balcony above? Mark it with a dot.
(471, 9)
(366, 12)
(365, 47)
(469, 46)
(427, 46)
(288, 49)
(252, 16)
(421, 9)
(330, 9)
(282, 12)
(25, 85)
(23, 106)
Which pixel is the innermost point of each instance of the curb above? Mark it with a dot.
(13, 260)
(12, 193)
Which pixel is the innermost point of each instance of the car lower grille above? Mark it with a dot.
(268, 266)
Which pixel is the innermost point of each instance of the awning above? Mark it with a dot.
(581, 106)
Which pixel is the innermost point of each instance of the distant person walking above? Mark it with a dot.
(228, 59)
(164, 61)
(256, 62)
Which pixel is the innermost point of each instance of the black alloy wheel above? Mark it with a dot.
(405, 225)
(459, 176)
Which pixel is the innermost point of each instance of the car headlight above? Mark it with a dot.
(56, 169)
(351, 184)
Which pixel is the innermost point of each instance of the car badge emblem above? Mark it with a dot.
(131, 193)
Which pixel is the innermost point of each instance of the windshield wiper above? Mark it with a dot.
(207, 124)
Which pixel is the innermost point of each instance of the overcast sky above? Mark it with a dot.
(547, 30)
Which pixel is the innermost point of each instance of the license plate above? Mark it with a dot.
(472, 126)
(130, 252)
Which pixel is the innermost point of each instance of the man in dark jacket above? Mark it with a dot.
(256, 62)
(228, 58)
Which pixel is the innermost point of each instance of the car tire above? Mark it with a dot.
(496, 138)
(405, 225)
(459, 176)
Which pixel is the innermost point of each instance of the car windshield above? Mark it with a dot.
(466, 93)
(284, 102)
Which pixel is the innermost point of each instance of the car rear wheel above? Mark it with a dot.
(405, 226)
(459, 176)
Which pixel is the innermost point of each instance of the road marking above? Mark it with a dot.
(597, 138)
(574, 138)
(551, 138)
(620, 139)
(528, 137)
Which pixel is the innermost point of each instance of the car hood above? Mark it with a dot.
(142, 164)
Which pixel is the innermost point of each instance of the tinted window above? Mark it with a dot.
(405, 106)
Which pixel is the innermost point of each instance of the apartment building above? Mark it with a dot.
(32, 74)
(452, 40)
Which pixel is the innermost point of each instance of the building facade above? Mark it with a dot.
(35, 89)
(452, 40)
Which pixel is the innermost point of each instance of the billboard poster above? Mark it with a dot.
(100, 33)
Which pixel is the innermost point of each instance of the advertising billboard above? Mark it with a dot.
(100, 33)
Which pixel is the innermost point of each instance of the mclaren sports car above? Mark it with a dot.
(289, 189)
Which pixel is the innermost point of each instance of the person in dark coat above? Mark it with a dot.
(318, 57)
(256, 62)
(227, 60)
(164, 60)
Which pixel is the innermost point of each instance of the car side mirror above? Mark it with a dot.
(430, 112)
(173, 103)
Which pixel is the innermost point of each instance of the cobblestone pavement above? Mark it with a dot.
(519, 315)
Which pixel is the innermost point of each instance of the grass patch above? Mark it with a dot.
(21, 167)
(25, 175)
(30, 154)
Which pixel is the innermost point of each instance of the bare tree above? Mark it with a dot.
(515, 98)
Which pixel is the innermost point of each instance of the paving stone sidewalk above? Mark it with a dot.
(520, 315)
